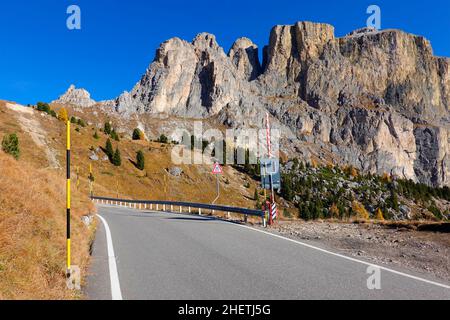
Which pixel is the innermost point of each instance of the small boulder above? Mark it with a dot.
(176, 171)
(93, 156)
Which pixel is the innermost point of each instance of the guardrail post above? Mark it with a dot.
(228, 215)
(199, 211)
(151, 206)
(164, 207)
(245, 218)
(157, 207)
(189, 209)
(181, 209)
(264, 221)
(171, 208)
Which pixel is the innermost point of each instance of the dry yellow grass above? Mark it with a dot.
(32, 232)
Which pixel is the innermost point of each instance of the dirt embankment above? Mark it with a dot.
(401, 245)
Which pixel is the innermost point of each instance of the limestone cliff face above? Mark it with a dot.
(376, 100)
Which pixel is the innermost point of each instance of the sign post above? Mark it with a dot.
(270, 168)
(217, 170)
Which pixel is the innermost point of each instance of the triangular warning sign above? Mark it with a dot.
(217, 169)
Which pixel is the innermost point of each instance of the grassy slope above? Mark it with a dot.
(32, 218)
(32, 232)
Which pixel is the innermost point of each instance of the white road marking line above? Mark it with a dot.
(116, 293)
(347, 258)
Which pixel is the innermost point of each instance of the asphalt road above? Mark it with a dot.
(170, 256)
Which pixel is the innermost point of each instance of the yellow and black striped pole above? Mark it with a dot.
(91, 176)
(69, 263)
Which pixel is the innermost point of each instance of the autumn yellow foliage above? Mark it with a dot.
(379, 216)
(361, 212)
(63, 115)
(334, 211)
(386, 177)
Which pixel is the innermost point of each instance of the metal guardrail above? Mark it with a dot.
(148, 204)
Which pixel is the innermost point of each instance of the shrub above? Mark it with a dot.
(304, 212)
(10, 145)
(140, 160)
(43, 107)
(117, 160)
(138, 134)
(163, 139)
(53, 113)
(73, 120)
(334, 211)
(436, 212)
(81, 123)
(96, 137)
(287, 214)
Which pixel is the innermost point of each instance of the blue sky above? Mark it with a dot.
(40, 57)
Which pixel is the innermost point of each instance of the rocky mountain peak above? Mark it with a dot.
(244, 56)
(77, 97)
(205, 41)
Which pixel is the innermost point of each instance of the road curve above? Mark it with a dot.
(170, 256)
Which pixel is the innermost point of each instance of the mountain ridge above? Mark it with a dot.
(377, 100)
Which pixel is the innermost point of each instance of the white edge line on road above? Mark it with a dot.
(113, 274)
(346, 257)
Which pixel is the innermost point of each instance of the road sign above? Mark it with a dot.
(270, 169)
(217, 169)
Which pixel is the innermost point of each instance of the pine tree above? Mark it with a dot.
(107, 128)
(96, 137)
(109, 149)
(256, 198)
(140, 160)
(114, 135)
(137, 134)
(117, 160)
